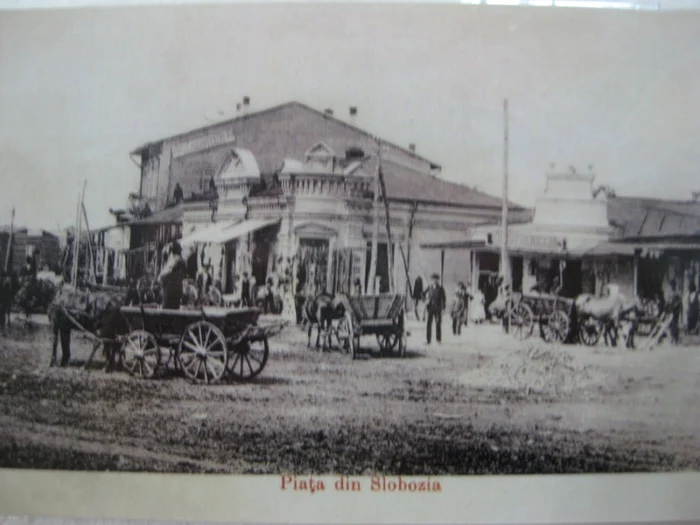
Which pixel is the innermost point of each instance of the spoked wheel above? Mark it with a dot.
(202, 352)
(557, 327)
(249, 358)
(522, 321)
(589, 331)
(140, 354)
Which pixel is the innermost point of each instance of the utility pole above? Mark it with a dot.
(505, 261)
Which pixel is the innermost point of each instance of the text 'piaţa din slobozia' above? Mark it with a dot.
(313, 485)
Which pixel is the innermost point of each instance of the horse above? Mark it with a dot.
(321, 311)
(610, 311)
(96, 311)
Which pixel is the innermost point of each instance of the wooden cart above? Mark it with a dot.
(204, 344)
(550, 312)
(379, 315)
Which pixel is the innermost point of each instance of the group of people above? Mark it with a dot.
(466, 306)
(246, 292)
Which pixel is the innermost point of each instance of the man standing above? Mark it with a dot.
(245, 290)
(436, 303)
(171, 278)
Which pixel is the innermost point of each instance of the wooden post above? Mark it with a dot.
(389, 244)
(442, 267)
(8, 255)
(92, 252)
(375, 226)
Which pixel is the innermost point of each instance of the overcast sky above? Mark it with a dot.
(80, 89)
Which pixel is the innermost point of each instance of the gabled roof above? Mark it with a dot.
(293, 104)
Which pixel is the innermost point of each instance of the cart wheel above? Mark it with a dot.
(589, 332)
(387, 342)
(140, 354)
(557, 326)
(522, 321)
(402, 345)
(202, 352)
(249, 358)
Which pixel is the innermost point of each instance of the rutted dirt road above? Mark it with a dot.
(480, 403)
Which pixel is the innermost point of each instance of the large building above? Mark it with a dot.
(291, 189)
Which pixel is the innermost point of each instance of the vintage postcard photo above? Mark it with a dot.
(353, 247)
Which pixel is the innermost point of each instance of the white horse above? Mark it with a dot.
(609, 311)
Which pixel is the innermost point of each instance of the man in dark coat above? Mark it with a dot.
(174, 272)
(417, 295)
(245, 290)
(178, 195)
(436, 303)
(674, 308)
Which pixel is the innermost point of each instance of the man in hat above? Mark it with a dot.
(435, 305)
(171, 278)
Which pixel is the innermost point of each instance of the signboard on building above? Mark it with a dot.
(530, 242)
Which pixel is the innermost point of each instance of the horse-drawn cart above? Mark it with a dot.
(204, 344)
(551, 313)
(379, 315)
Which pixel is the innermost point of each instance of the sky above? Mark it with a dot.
(81, 88)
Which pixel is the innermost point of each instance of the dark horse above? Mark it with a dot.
(96, 311)
(321, 311)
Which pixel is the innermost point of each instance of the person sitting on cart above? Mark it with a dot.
(171, 278)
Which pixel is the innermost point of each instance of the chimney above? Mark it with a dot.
(353, 115)
(329, 112)
(246, 105)
(696, 196)
(412, 148)
(238, 108)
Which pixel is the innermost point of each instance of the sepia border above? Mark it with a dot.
(259, 499)
(478, 499)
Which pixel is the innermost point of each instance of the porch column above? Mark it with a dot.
(635, 278)
(442, 266)
(329, 269)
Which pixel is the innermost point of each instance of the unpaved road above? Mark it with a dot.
(481, 403)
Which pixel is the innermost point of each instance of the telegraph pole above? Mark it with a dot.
(375, 226)
(505, 261)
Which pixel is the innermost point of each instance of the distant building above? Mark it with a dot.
(41, 244)
(291, 183)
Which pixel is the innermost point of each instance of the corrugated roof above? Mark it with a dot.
(639, 217)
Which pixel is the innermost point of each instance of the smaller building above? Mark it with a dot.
(44, 246)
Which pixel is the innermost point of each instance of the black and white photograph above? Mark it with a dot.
(394, 241)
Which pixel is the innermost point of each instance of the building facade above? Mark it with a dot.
(289, 191)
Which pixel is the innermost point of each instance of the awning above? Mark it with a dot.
(609, 248)
(466, 244)
(224, 232)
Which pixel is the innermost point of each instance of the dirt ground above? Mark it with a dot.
(479, 403)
